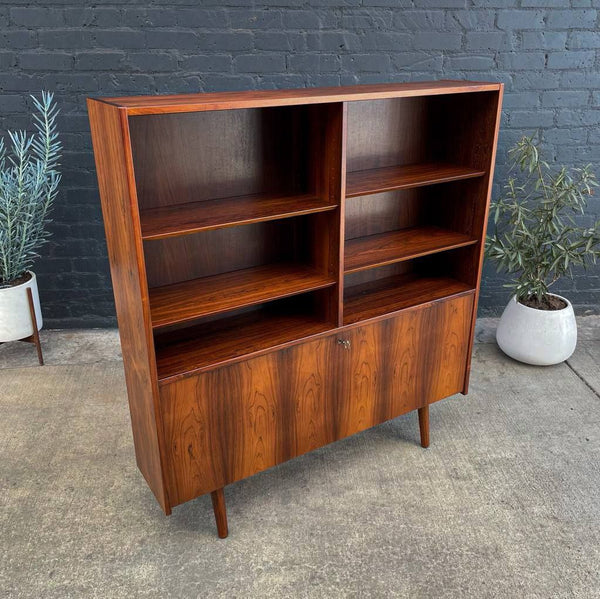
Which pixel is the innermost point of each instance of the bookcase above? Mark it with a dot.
(290, 267)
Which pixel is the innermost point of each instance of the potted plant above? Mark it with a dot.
(28, 186)
(537, 241)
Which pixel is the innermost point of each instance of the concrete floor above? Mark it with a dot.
(505, 502)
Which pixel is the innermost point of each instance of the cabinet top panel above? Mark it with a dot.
(138, 105)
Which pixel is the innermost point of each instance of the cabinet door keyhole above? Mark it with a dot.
(345, 343)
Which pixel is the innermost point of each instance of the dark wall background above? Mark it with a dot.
(545, 51)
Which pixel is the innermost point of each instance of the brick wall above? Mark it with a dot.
(547, 52)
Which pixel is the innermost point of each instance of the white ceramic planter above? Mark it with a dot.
(539, 337)
(15, 318)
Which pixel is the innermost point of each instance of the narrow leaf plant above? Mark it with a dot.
(29, 179)
(535, 237)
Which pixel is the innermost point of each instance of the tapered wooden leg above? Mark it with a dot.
(36, 335)
(218, 501)
(424, 425)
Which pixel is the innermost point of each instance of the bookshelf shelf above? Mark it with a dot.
(193, 217)
(375, 298)
(378, 180)
(230, 339)
(198, 298)
(396, 246)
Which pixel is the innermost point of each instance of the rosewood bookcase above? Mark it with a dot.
(290, 267)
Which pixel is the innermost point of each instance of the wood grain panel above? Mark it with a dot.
(232, 422)
(312, 388)
(404, 352)
(209, 345)
(260, 423)
(223, 426)
(380, 213)
(117, 193)
(175, 259)
(382, 134)
(192, 414)
(269, 409)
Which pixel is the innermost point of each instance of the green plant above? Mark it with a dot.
(28, 186)
(536, 238)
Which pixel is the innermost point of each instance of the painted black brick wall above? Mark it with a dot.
(547, 52)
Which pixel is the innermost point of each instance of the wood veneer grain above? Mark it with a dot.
(183, 258)
(225, 154)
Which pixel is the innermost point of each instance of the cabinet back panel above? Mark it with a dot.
(454, 128)
(181, 158)
(382, 212)
(462, 128)
(386, 133)
(450, 206)
(375, 274)
(460, 264)
(209, 253)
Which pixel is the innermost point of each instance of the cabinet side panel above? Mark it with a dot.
(494, 115)
(109, 140)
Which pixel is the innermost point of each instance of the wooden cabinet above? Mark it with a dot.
(290, 267)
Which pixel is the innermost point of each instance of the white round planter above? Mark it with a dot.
(539, 337)
(15, 317)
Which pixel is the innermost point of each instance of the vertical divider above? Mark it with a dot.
(329, 134)
(336, 174)
(342, 210)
